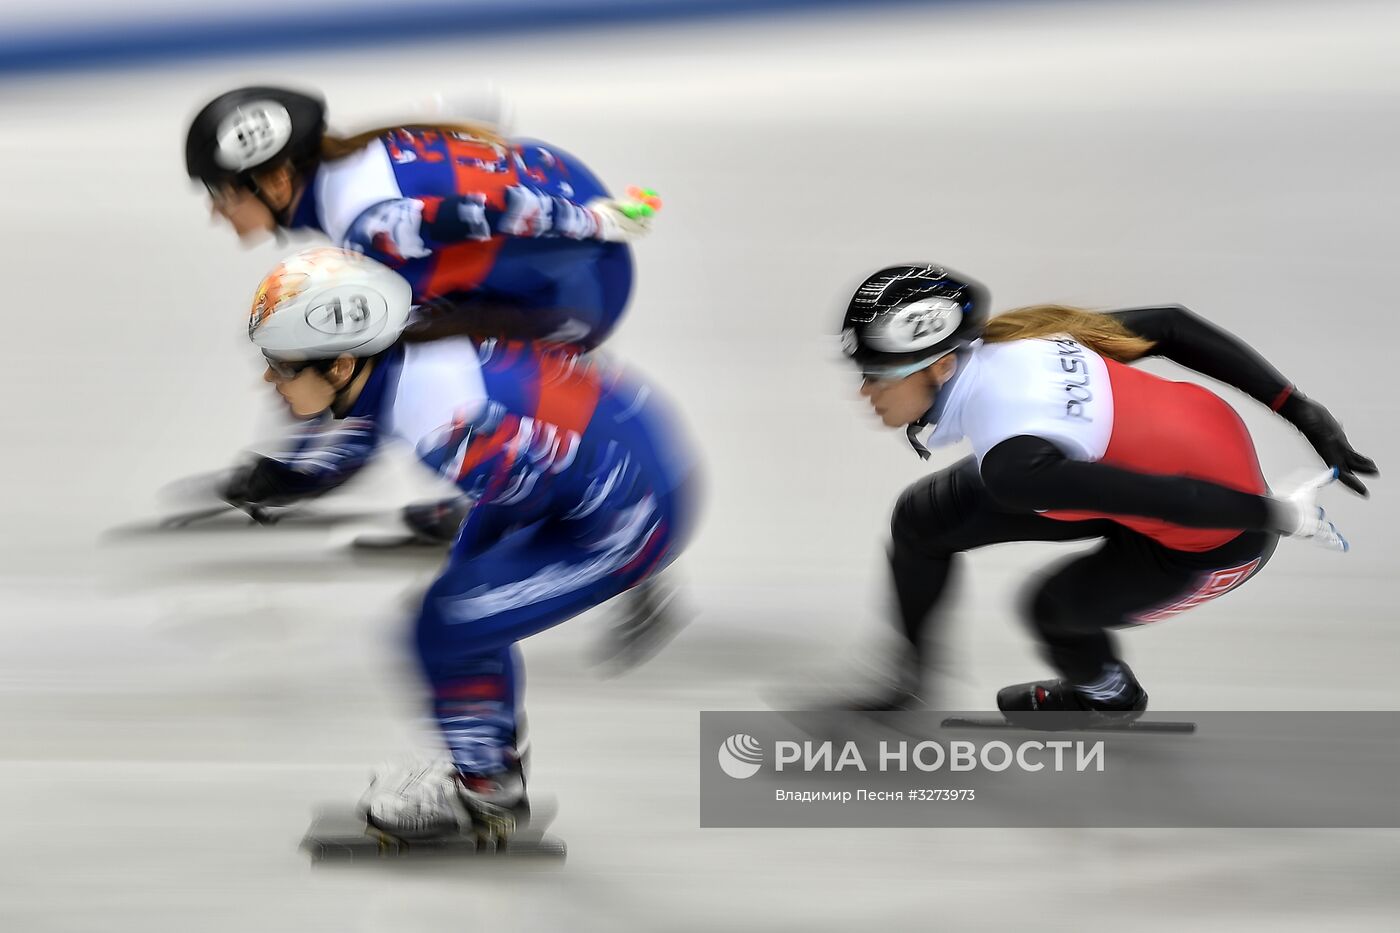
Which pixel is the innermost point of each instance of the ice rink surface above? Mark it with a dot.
(172, 707)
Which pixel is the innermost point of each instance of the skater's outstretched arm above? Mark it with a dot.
(408, 230)
(1189, 339)
(316, 460)
(1026, 472)
(1186, 338)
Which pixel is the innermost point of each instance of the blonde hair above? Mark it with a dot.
(338, 147)
(1099, 332)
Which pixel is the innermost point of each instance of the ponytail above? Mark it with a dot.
(1099, 332)
(338, 147)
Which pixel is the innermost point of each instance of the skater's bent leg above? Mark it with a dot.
(487, 600)
(939, 517)
(1129, 580)
(597, 293)
(470, 661)
(1073, 610)
(474, 698)
(1075, 637)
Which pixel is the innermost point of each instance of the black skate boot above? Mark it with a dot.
(436, 523)
(647, 620)
(1021, 703)
(425, 525)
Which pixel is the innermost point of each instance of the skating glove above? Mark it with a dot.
(1325, 434)
(622, 220)
(1298, 515)
(261, 484)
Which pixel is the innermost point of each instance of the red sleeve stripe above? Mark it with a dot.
(1281, 398)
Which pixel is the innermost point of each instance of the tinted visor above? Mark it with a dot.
(891, 369)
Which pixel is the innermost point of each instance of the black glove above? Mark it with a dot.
(256, 486)
(1325, 434)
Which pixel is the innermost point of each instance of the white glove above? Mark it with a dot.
(1299, 515)
(622, 220)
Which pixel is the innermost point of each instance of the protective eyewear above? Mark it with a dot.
(284, 369)
(874, 372)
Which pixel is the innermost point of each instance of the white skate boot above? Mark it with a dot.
(417, 800)
(428, 799)
(425, 807)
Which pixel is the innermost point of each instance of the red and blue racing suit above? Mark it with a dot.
(465, 220)
(582, 488)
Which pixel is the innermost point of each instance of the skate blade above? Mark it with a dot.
(225, 519)
(1069, 722)
(393, 541)
(340, 834)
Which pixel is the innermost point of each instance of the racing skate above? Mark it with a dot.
(342, 833)
(422, 811)
(1057, 706)
(420, 526)
(1067, 722)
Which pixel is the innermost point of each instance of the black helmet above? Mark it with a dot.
(252, 128)
(904, 318)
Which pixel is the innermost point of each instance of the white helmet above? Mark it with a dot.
(324, 302)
